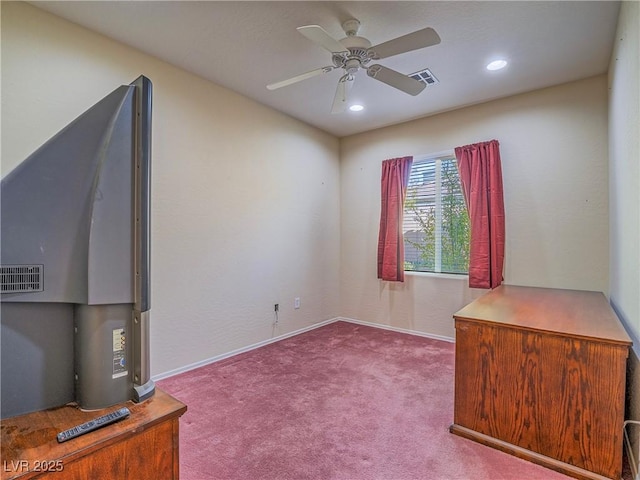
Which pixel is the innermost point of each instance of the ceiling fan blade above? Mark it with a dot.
(412, 41)
(396, 79)
(299, 78)
(342, 93)
(319, 35)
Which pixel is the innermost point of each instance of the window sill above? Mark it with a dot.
(449, 276)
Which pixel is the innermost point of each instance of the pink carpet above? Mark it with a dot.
(340, 402)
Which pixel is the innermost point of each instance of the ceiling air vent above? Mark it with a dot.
(21, 278)
(425, 76)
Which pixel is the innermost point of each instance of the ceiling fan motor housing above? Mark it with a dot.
(358, 54)
(355, 42)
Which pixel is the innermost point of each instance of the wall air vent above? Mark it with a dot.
(425, 76)
(21, 278)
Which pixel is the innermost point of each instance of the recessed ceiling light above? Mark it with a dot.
(356, 108)
(497, 65)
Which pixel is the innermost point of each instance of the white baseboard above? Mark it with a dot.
(634, 458)
(248, 348)
(398, 330)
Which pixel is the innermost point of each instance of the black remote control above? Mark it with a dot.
(94, 424)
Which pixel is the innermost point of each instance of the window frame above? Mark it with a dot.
(437, 158)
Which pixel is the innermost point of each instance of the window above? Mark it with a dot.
(436, 222)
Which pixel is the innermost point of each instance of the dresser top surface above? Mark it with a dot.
(565, 312)
(31, 438)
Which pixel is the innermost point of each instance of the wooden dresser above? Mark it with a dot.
(142, 446)
(540, 373)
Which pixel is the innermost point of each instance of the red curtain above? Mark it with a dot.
(481, 178)
(395, 177)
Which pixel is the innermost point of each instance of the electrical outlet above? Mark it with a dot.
(276, 307)
(296, 302)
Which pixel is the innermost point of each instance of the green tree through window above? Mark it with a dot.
(436, 221)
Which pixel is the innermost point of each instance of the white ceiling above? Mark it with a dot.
(246, 45)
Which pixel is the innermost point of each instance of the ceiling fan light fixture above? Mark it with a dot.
(496, 64)
(356, 107)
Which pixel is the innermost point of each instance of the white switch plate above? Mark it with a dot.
(296, 302)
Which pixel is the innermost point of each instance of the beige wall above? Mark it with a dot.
(245, 200)
(624, 191)
(554, 156)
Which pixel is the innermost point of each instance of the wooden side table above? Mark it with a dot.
(142, 446)
(540, 373)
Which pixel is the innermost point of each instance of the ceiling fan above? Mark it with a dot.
(353, 53)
